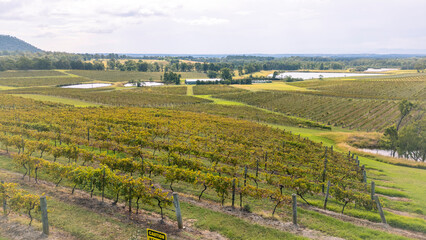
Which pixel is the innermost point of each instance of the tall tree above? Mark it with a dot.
(171, 77)
(130, 65)
(405, 108)
(390, 139)
(412, 140)
(98, 65)
(24, 63)
(111, 64)
(419, 66)
(240, 70)
(211, 74)
(226, 74)
(142, 66)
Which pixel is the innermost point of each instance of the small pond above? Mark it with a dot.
(144, 84)
(311, 75)
(380, 69)
(88, 85)
(387, 153)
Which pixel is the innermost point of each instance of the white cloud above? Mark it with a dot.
(234, 26)
(203, 21)
(244, 13)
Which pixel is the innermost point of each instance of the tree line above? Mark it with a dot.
(241, 64)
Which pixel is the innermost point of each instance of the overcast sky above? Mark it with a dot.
(218, 26)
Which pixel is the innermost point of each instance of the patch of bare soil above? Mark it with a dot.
(257, 219)
(4, 153)
(17, 231)
(406, 214)
(401, 199)
(391, 188)
(369, 224)
(144, 219)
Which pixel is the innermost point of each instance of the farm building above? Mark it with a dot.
(205, 80)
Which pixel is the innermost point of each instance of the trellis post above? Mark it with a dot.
(294, 200)
(44, 220)
(178, 213)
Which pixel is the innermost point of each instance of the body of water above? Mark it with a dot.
(387, 153)
(311, 75)
(144, 84)
(380, 69)
(88, 85)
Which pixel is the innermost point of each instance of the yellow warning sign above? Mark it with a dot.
(155, 235)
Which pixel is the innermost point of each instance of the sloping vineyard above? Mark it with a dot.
(41, 81)
(249, 113)
(352, 113)
(215, 89)
(120, 150)
(135, 98)
(120, 76)
(390, 88)
(30, 73)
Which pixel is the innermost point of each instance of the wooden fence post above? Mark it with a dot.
(241, 197)
(245, 176)
(44, 220)
(257, 167)
(379, 206)
(324, 172)
(233, 193)
(4, 202)
(88, 134)
(103, 184)
(364, 174)
(178, 213)
(326, 195)
(373, 190)
(294, 198)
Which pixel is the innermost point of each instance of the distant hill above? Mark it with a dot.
(10, 43)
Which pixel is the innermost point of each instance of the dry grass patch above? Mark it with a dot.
(281, 86)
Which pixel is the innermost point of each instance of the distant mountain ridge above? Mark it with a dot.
(10, 43)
